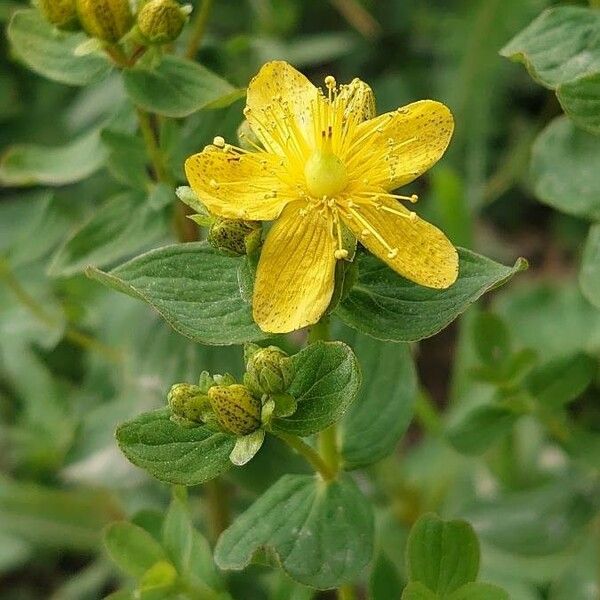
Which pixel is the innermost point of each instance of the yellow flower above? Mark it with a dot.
(327, 163)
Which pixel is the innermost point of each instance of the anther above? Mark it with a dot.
(214, 184)
(219, 141)
(414, 198)
(412, 216)
(341, 253)
(393, 253)
(330, 82)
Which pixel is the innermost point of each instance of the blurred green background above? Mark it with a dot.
(91, 358)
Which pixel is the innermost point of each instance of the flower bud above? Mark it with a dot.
(60, 13)
(187, 401)
(107, 20)
(161, 21)
(236, 409)
(269, 369)
(235, 237)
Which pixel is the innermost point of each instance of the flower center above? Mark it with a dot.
(325, 174)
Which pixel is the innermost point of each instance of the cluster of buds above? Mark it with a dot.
(158, 21)
(243, 410)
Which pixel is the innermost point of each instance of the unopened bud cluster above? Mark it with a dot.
(158, 21)
(238, 409)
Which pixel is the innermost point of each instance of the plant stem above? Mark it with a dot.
(309, 454)
(346, 592)
(358, 17)
(217, 503)
(158, 165)
(198, 29)
(427, 414)
(73, 335)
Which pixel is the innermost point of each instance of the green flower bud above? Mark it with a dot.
(269, 369)
(60, 13)
(107, 20)
(235, 237)
(236, 409)
(188, 402)
(161, 21)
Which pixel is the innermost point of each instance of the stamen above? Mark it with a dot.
(219, 141)
(330, 82)
(341, 253)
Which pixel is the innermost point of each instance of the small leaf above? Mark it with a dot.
(195, 289)
(388, 307)
(122, 225)
(171, 453)
(589, 275)
(246, 447)
(177, 87)
(480, 427)
(132, 548)
(417, 591)
(580, 100)
(51, 52)
(325, 383)
(479, 591)
(384, 581)
(188, 549)
(321, 533)
(30, 164)
(561, 380)
(564, 167)
(560, 45)
(378, 419)
(442, 555)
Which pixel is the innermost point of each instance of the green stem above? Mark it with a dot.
(39, 312)
(217, 503)
(309, 454)
(161, 172)
(198, 29)
(427, 414)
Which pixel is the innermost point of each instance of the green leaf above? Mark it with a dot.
(479, 427)
(580, 100)
(177, 87)
(127, 158)
(560, 45)
(132, 548)
(122, 225)
(565, 162)
(171, 453)
(383, 410)
(561, 380)
(479, 591)
(321, 533)
(384, 581)
(417, 591)
(193, 287)
(525, 522)
(442, 555)
(491, 338)
(325, 383)
(589, 275)
(388, 307)
(30, 164)
(188, 549)
(50, 519)
(51, 52)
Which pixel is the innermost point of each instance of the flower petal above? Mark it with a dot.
(238, 186)
(358, 99)
(295, 276)
(279, 108)
(397, 147)
(413, 248)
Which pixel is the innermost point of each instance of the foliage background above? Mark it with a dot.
(62, 478)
